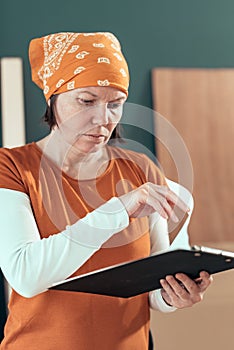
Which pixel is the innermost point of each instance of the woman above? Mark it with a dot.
(71, 204)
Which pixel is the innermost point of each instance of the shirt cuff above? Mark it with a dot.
(157, 302)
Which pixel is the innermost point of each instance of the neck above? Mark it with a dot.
(72, 161)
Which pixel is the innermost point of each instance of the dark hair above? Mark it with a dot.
(49, 116)
(50, 119)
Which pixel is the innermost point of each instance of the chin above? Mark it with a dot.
(87, 149)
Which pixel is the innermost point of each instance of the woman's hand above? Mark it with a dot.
(182, 291)
(150, 198)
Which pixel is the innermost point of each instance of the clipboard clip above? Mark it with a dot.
(202, 249)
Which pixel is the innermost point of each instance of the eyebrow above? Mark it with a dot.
(88, 92)
(119, 99)
(94, 95)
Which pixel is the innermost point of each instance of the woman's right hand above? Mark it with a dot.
(150, 198)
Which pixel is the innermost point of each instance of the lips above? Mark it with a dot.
(95, 137)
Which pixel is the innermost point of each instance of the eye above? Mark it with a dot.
(114, 105)
(86, 102)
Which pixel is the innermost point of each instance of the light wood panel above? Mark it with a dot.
(12, 109)
(12, 102)
(200, 105)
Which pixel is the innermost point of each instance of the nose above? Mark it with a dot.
(100, 114)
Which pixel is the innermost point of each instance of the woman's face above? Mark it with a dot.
(86, 117)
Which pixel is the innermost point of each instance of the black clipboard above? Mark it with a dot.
(140, 276)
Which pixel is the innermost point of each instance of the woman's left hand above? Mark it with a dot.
(181, 291)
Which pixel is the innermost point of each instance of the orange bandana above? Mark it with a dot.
(65, 61)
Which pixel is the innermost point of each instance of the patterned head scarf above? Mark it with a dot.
(65, 61)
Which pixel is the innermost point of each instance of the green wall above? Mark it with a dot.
(153, 33)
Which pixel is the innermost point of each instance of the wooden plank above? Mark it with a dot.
(13, 134)
(199, 104)
(12, 102)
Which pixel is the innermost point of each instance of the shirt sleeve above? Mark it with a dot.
(10, 176)
(31, 264)
(159, 237)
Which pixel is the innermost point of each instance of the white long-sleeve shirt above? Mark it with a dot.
(21, 242)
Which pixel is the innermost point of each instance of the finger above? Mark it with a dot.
(177, 201)
(190, 284)
(169, 292)
(205, 275)
(195, 287)
(180, 289)
(172, 197)
(146, 209)
(204, 281)
(165, 207)
(163, 194)
(154, 200)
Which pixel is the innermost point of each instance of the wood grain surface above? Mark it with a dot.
(199, 103)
